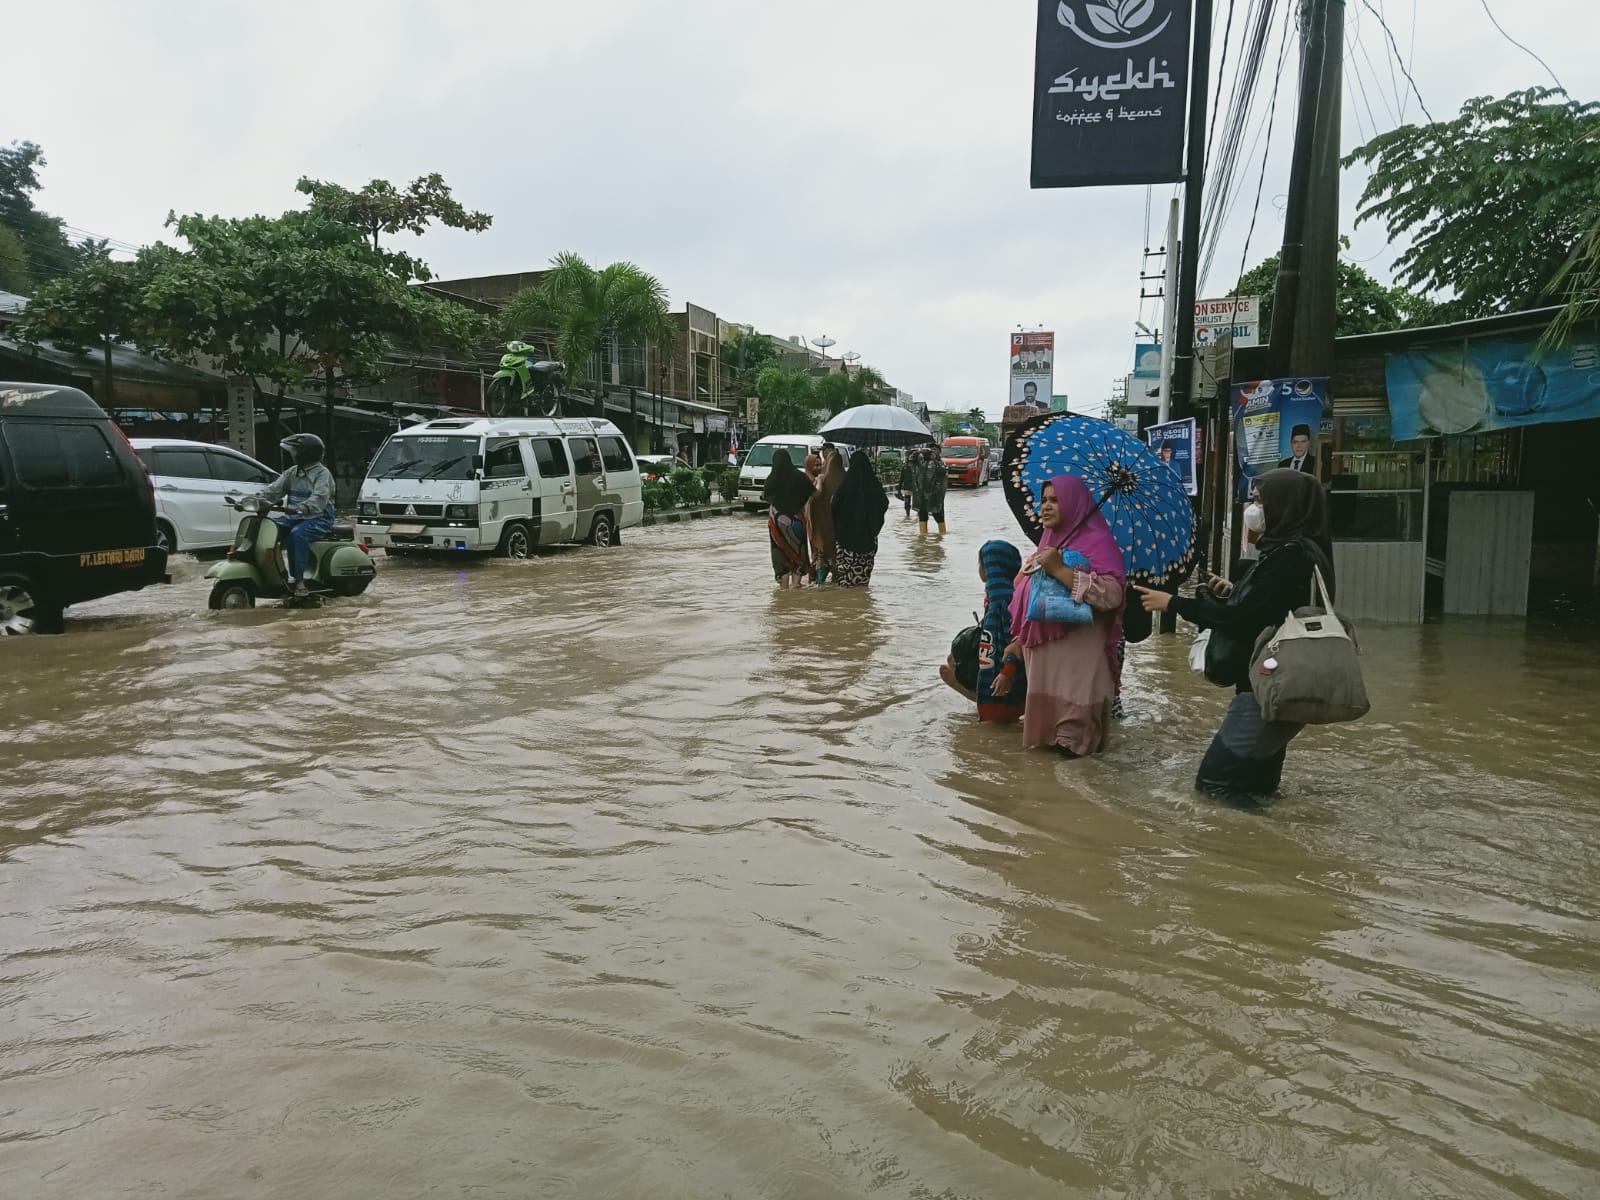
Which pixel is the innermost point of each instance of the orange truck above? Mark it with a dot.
(966, 461)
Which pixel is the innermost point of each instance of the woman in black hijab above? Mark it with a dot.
(858, 508)
(787, 494)
(1245, 760)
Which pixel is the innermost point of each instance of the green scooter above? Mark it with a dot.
(525, 385)
(255, 568)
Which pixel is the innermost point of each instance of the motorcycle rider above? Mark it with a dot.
(305, 492)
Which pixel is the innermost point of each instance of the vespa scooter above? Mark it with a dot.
(255, 568)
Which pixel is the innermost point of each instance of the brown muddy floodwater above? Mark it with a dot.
(620, 874)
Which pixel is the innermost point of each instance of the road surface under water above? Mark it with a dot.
(619, 873)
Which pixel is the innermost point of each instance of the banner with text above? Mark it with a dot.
(1174, 444)
(1111, 92)
(1033, 372)
(1276, 423)
(1238, 316)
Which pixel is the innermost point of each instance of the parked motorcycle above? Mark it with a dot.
(255, 568)
(526, 385)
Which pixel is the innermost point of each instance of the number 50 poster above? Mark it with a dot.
(1275, 424)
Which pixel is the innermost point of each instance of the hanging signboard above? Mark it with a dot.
(1277, 423)
(1239, 316)
(1032, 368)
(1175, 445)
(1110, 92)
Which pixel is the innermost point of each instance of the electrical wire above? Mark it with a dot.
(1394, 48)
(1489, 12)
(1261, 180)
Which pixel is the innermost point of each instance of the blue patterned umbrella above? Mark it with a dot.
(1142, 497)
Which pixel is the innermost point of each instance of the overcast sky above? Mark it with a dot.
(855, 168)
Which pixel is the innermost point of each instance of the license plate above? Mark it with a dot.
(406, 528)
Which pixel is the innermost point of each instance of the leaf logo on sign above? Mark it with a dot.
(1121, 21)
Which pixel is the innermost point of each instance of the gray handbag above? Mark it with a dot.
(1307, 671)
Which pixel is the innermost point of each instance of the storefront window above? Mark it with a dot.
(1375, 485)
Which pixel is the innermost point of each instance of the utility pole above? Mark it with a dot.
(1169, 327)
(1194, 180)
(1304, 301)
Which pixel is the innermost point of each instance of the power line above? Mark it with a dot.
(1394, 48)
(1261, 180)
(1490, 13)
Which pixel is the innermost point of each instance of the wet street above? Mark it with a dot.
(619, 873)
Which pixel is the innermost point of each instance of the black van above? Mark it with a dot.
(77, 513)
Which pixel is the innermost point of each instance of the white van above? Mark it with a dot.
(500, 486)
(753, 474)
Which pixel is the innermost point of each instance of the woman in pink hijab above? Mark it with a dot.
(1072, 669)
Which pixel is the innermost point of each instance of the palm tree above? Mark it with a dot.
(585, 310)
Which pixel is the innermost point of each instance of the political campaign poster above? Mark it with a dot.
(1278, 423)
(1175, 445)
(1033, 368)
(1111, 92)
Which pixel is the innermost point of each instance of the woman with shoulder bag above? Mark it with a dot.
(1245, 759)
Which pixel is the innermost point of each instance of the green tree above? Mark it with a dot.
(96, 306)
(14, 273)
(788, 401)
(1364, 305)
(838, 391)
(587, 309)
(1491, 203)
(381, 209)
(293, 302)
(47, 250)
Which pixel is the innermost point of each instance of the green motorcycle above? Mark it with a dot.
(526, 385)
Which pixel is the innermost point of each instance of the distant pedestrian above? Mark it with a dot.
(813, 467)
(819, 515)
(858, 509)
(928, 484)
(1245, 759)
(787, 493)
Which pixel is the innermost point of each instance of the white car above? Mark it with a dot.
(656, 467)
(191, 479)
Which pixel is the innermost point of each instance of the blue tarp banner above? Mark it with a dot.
(1483, 386)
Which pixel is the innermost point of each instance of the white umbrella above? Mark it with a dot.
(877, 425)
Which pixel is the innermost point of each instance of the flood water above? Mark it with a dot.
(618, 873)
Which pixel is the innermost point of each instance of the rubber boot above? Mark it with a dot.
(922, 529)
(942, 529)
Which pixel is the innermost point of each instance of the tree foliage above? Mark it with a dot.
(96, 304)
(34, 246)
(788, 401)
(587, 308)
(380, 208)
(1491, 203)
(295, 302)
(1363, 304)
(838, 391)
(745, 355)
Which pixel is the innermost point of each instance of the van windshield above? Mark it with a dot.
(761, 454)
(425, 458)
(960, 452)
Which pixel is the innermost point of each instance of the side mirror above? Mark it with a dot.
(477, 462)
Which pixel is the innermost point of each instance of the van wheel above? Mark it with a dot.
(23, 611)
(166, 539)
(232, 594)
(514, 542)
(604, 531)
